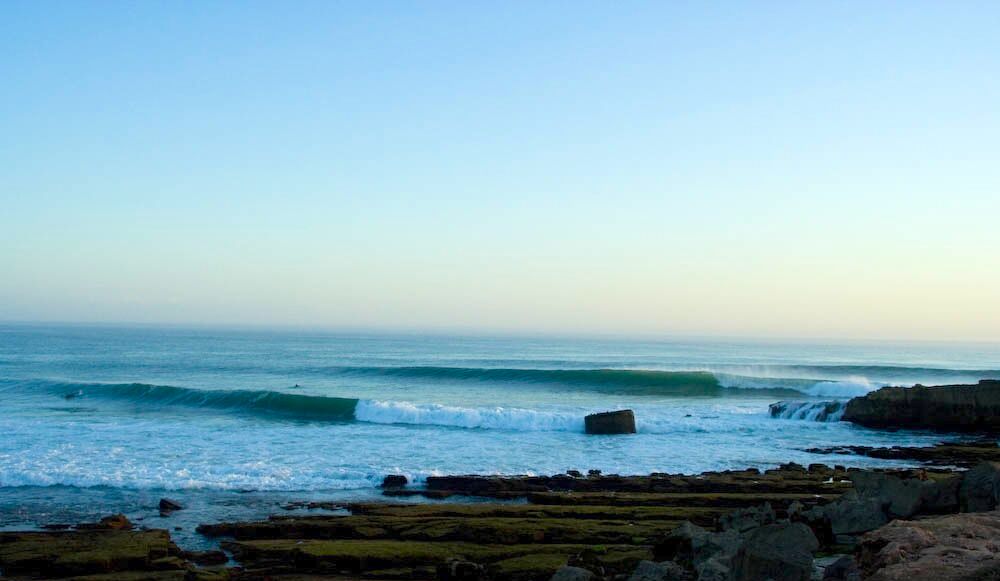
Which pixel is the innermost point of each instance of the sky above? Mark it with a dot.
(713, 168)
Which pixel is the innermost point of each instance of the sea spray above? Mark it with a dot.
(816, 411)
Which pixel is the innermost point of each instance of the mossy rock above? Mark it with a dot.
(66, 553)
(484, 530)
(366, 555)
(528, 567)
(497, 510)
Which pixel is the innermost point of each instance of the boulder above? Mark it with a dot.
(394, 481)
(851, 516)
(907, 493)
(167, 506)
(745, 519)
(709, 555)
(980, 488)
(781, 552)
(948, 548)
(572, 574)
(617, 422)
(665, 571)
(969, 408)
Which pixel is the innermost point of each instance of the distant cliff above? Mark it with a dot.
(963, 408)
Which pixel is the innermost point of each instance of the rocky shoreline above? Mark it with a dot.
(789, 523)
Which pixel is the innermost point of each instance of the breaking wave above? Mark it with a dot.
(816, 411)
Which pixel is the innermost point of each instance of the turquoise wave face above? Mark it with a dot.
(259, 403)
(627, 381)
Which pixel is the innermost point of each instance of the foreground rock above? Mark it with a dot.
(949, 548)
(781, 552)
(967, 408)
(618, 422)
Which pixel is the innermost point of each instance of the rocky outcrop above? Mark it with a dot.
(617, 422)
(168, 506)
(394, 481)
(966, 454)
(980, 488)
(107, 550)
(781, 552)
(961, 547)
(967, 408)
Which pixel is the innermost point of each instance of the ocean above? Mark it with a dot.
(103, 418)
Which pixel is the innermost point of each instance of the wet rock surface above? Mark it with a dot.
(961, 408)
(964, 454)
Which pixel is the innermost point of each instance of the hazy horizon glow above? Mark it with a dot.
(682, 168)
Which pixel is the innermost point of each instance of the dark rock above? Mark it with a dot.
(665, 571)
(781, 552)
(394, 481)
(568, 573)
(852, 516)
(745, 519)
(709, 555)
(980, 488)
(574, 473)
(844, 568)
(206, 557)
(167, 506)
(970, 408)
(617, 422)
(904, 494)
(945, 454)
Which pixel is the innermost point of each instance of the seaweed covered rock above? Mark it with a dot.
(89, 552)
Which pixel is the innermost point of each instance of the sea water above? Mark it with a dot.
(105, 416)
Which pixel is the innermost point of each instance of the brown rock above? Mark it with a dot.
(948, 548)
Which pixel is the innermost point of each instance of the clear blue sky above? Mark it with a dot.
(739, 168)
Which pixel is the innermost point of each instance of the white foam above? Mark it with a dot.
(814, 411)
(851, 387)
(396, 412)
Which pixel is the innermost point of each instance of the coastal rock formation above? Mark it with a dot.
(617, 422)
(394, 481)
(781, 552)
(965, 454)
(980, 488)
(950, 548)
(968, 408)
(168, 506)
